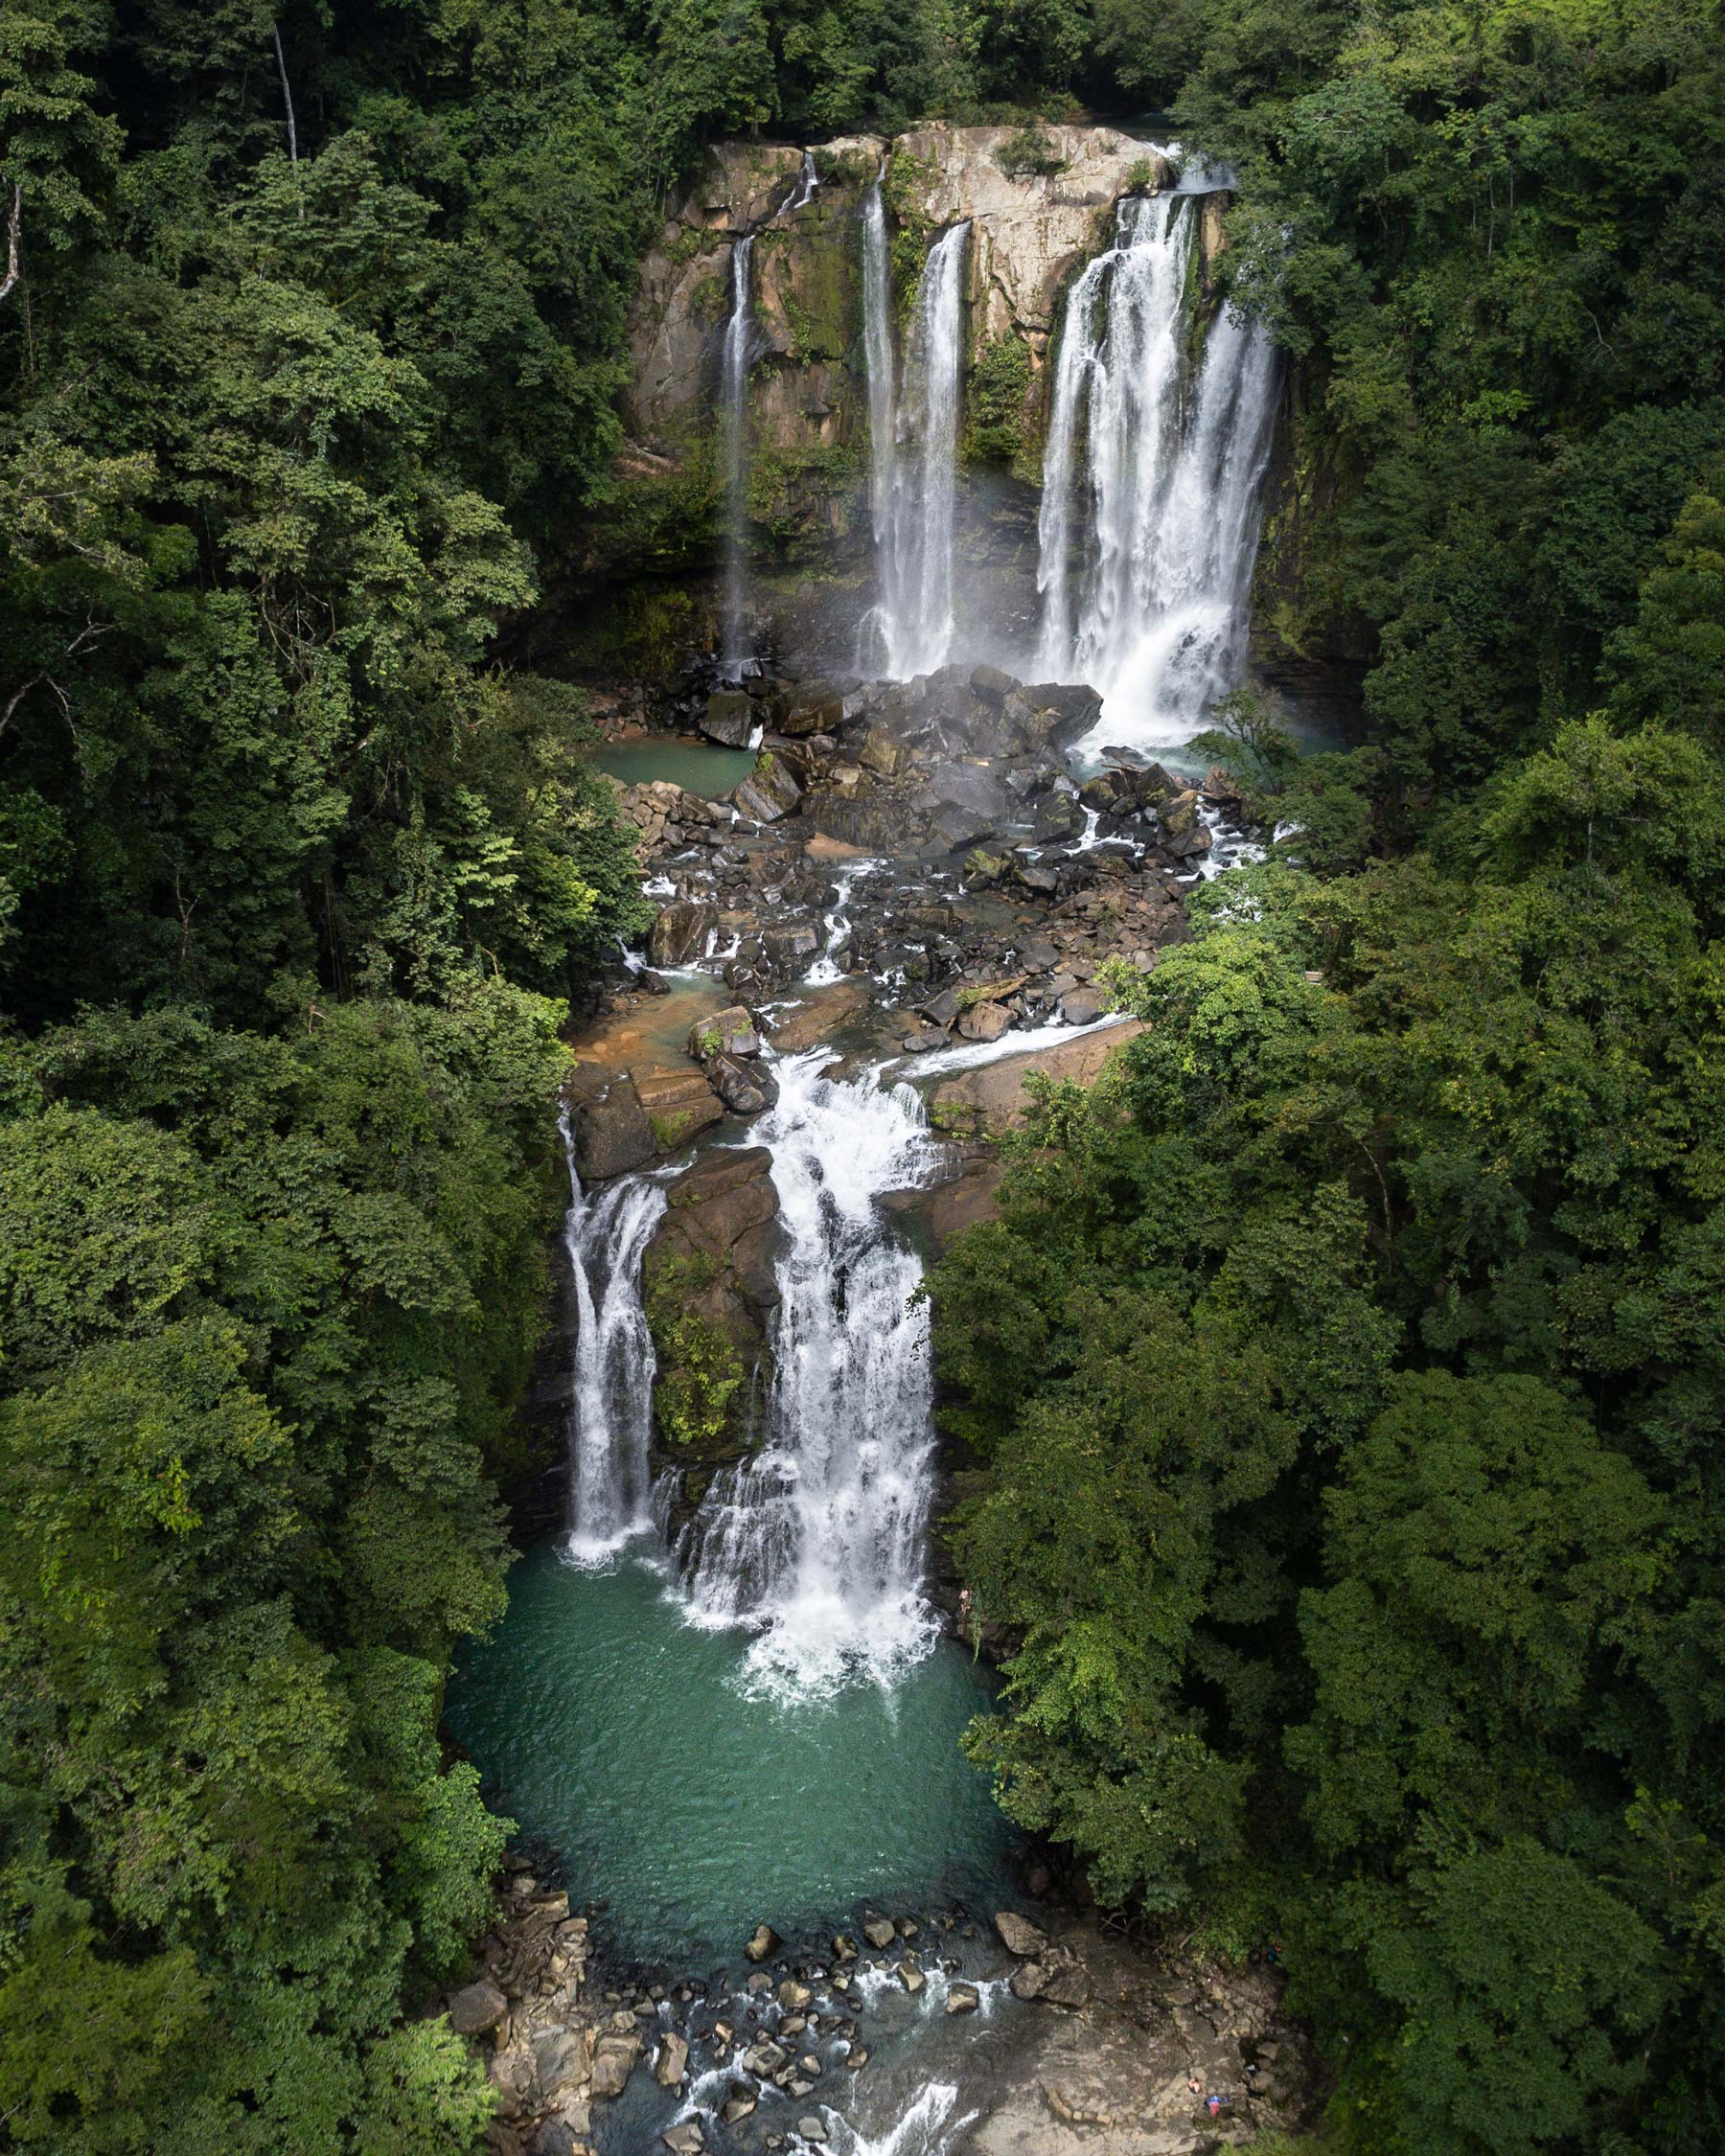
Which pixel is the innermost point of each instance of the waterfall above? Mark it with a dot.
(816, 1539)
(610, 1408)
(734, 425)
(803, 193)
(914, 449)
(1151, 486)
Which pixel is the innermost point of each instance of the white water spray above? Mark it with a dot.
(1152, 486)
(733, 430)
(610, 1407)
(915, 453)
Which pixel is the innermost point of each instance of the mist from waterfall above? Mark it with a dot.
(913, 432)
(1152, 485)
(816, 1539)
(611, 1406)
(734, 448)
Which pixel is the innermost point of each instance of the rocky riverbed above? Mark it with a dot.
(1064, 2038)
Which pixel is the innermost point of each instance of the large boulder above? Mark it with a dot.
(681, 932)
(769, 793)
(613, 1136)
(730, 1032)
(1018, 1935)
(478, 2008)
(676, 1104)
(730, 717)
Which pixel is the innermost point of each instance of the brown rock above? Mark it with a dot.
(677, 1103)
(984, 1022)
(1018, 1935)
(983, 1103)
(612, 1134)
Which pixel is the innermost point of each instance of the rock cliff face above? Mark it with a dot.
(1031, 230)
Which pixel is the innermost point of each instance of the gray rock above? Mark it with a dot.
(737, 2106)
(769, 793)
(1028, 1981)
(730, 717)
(992, 686)
(911, 1976)
(681, 932)
(1018, 1934)
(614, 2059)
(745, 1088)
(477, 2009)
(879, 1931)
(672, 2060)
(686, 2139)
(613, 1136)
(1067, 1983)
(811, 2128)
(559, 2059)
(962, 1999)
(730, 1032)
(1082, 1006)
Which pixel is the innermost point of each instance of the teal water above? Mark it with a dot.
(603, 1723)
(698, 767)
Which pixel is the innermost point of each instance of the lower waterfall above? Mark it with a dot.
(915, 451)
(1152, 483)
(818, 1537)
(610, 1407)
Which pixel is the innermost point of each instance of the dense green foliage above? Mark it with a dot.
(1348, 1369)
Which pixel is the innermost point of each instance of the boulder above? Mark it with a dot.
(745, 1088)
(1018, 1935)
(879, 1931)
(478, 2008)
(676, 1104)
(613, 1136)
(686, 2139)
(558, 2061)
(911, 1976)
(729, 1032)
(681, 932)
(769, 793)
(614, 2057)
(812, 2129)
(962, 1999)
(738, 2105)
(792, 1996)
(816, 710)
(1067, 1983)
(730, 717)
(1028, 1981)
(766, 1941)
(672, 2060)
(1083, 1006)
(992, 686)
(984, 1022)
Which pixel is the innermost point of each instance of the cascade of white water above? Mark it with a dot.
(808, 179)
(817, 1540)
(1152, 481)
(914, 439)
(733, 431)
(610, 1407)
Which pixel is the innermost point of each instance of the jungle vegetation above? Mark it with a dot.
(1345, 1380)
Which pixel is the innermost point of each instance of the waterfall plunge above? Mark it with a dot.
(913, 449)
(610, 1409)
(1152, 480)
(733, 429)
(816, 1539)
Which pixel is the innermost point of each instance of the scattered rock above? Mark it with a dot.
(766, 1941)
(679, 933)
(879, 1931)
(686, 2139)
(478, 2008)
(729, 719)
(962, 1999)
(911, 1976)
(794, 1996)
(811, 2128)
(1018, 1934)
(672, 2060)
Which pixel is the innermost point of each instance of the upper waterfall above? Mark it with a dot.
(916, 448)
(733, 422)
(1152, 483)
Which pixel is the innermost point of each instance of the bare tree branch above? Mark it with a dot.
(275, 31)
(15, 226)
